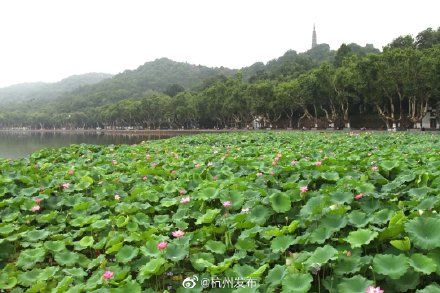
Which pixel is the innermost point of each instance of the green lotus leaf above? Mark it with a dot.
(245, 244)
(275, 275)
(297, 283)
(320, 234)
(280, 202)
(29, 278)
(350, 264)
(153, 267)
(208, 217)
(281, 243)
(355, 284)
(100, 224)
(150, 249)
(393, 266)
(176, 252)
(424, 232)
(358, 218)
(361, 237)
(66, 258)
(243, 270)
(259, 214)
(330, 176)
(423, 264)
(36, 235)
(341, 197)
(257, 273)
(7, 229)
(28, 258)
(404, 245)
(131, 286)
(76, 272)
(202, 260)
(322, 255)
(395, 226)
(419, 192)
(47, 273)
(389, 165)
(432, 288)
(127, 253)
(291, 227)
(86, 241)
(7, 282)
(314, 206)
(407, 282)
(208, 193)
(435, 256)
(216, 246)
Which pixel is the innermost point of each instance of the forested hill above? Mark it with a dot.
(161, 75)
(293, 64)
(26, 92)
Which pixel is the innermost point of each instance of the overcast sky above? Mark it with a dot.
(47, 40)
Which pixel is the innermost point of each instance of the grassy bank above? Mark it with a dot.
(291, 211)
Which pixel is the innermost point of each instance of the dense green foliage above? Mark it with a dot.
(42, 92)
(295, 211)
(317, 88)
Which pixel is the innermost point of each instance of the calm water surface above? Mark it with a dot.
(20, 144)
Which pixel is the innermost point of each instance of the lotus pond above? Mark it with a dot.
(295, 212)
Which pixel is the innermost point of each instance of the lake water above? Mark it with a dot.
(20, 144)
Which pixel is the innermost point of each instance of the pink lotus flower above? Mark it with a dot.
(259, 174)
(319, 163)
(108, 275)
(227, 204)
(173, 172)
(215, 178)
(178, 233)
(293, 163)
(372, 289)
(153, 164)
(197, 165)
(117, 197)
(279, 155)
(148, 157)
(348, 253)
(162, 245)
(185, 200)
(145, 178)
(65, 185)
(274, 163)
(359, 196)
(272, 173)
(375, 168)
(71, 172)
(35, 208)
(182, 191)
(303, 189)
(114, 162)
(38, 200)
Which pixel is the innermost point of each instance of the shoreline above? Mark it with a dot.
(174, 132)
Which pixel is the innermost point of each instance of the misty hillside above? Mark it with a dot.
(46, 91)
(161, 75)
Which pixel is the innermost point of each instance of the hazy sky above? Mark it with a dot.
(47, 40)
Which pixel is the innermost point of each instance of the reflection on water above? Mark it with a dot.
(20, 144)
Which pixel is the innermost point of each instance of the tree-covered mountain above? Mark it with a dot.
(293, 64)
(161, 75)
(26, 92)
